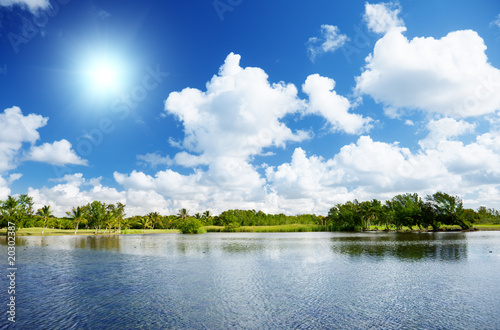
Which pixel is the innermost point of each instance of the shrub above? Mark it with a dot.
(190, 226)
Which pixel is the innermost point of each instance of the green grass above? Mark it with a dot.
(487, 227)
(37, 231)
(269, 229)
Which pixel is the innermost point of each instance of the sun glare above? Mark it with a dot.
(104, 75)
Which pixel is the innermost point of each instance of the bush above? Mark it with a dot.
(190, 226)
(232, 227)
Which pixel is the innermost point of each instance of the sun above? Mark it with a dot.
(104, 75)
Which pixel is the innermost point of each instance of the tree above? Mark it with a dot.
(154, 218)
(10, 210)
(183, 214)
(119, 214)
(370, 212)
(25, 203)
(448, 209)
(95, 215)
(207, 218)
(407, 210)
(190, 225)
(145, 222)
(78, 215)
(109, 218)
(345, 216)
(45, 212)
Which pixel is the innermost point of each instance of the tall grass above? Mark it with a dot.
(269, 229)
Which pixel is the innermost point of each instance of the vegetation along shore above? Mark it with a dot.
(404, 212)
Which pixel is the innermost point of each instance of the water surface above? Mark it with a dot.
(257, 280)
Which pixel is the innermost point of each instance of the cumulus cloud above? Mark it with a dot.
(16, 129)
(449, 76)
(444, 129)
(32, 5)
(324, 101)
(238, 115)
(371, 169)
(383, 17)
(330, 40)
(5, 183)
(362, 170)
(74, 190)
(58, 153)
(235, 119)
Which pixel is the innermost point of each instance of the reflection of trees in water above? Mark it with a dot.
(404, 246)
(108, 243)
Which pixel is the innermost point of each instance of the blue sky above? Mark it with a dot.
(279, 106)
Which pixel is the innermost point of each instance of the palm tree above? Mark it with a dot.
(78, 215)
(183, 214)
(45, 212)
(119, 214)
(154, 218)
(145, 222)
(10, 209)
(109, 219)
(207, 214)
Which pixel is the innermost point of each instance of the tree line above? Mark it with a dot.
(404, 210)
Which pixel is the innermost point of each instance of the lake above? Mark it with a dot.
(257, 281)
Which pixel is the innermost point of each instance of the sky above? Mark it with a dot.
(281, 106)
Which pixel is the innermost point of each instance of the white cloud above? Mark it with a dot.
(443, 129)
(16, 129)
(324, 101)
(5, 183)
(72, 192)
(369, 169)
(155, 159)
(238, 115)
(496, 21)
(58, 153)
(331, 39)
(32, 5)
(382, 17)
(188, 160)
(449, 76)
(362, 170)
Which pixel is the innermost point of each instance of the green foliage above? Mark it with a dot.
(17, 210)
(439, 211)
(231, 227)
(346, 217)
(190, 225)
(448, 209)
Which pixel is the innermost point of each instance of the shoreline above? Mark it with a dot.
(36, 231)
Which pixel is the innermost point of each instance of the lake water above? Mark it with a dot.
(257, 281)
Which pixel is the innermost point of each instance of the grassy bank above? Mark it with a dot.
(488, 227)
(268, 229)
(37, 231)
